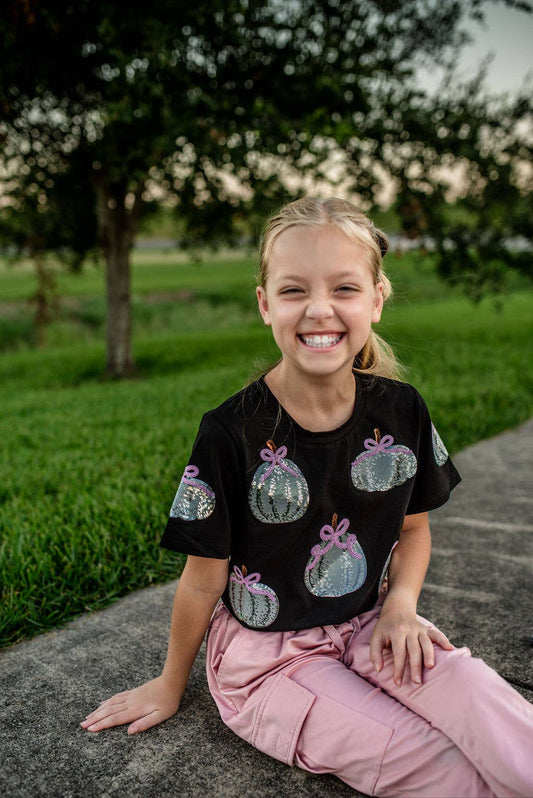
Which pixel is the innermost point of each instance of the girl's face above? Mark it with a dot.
(320, 299)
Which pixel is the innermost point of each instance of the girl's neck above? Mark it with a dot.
(317, 405)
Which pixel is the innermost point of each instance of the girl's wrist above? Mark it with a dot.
(403, 599)
(173, 680)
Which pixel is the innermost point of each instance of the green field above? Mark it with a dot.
(90, 466)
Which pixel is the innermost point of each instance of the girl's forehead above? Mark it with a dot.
(321, 246)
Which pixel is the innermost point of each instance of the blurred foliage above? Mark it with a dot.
(225, 109)
(64, 223)
(481, 155)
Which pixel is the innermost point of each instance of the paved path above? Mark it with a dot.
(478, 589)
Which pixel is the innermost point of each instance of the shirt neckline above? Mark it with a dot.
(326, 436)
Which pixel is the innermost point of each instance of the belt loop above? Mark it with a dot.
(335, 637)
(356, 628)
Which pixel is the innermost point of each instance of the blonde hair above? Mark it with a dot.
(376, 357)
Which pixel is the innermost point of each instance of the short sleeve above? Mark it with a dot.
(436, 475)
(209, 498)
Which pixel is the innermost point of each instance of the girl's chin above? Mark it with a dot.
(321, 367)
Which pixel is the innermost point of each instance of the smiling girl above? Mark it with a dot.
(305, 507)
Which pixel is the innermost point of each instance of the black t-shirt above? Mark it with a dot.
(308, 519)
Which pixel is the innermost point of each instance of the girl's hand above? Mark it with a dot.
(410, 641)
(142, 707)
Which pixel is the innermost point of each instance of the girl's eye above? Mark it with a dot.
(346, 289)
(288, 291)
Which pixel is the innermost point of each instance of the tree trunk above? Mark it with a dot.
(119, 354)
(45, 297)
(117, 229)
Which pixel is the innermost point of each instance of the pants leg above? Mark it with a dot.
(374, 744)
(291, 696)
(466, 700)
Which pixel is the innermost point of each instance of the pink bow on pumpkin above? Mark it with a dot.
(275, 459)
(332, 538)
(189, 477)
(249, 581)
(379, 446)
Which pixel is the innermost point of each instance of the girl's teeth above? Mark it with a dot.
(320, 340)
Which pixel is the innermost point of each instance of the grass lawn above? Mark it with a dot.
(90, 467)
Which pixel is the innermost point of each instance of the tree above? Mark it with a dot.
(49, 216)
(214, 103)
(474, 206)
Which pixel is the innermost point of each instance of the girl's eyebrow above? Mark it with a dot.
(344, 275)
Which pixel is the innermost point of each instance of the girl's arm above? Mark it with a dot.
(202, 583)
(398, 627)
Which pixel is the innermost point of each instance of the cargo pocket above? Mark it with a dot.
(280, 717)
(226, 660)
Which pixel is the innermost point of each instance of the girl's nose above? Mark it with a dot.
(319, 308)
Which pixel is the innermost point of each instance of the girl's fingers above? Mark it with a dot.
(428, 653)
(439, 638)
(115, 699)
(142, 724)
(376, 653)
(142, 707)
(414, 651)
(117, 718)
(109, 702)
(426, 641)
(104, 710)
(399, 652)
(410, 644)
(118, 698)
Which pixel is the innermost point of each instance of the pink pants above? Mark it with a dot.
(312, 698)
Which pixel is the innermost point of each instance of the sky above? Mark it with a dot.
(506, 33)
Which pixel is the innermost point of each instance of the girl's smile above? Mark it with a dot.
(321, 341)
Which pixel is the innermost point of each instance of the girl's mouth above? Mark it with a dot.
(321, 341)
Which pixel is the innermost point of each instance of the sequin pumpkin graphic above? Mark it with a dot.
(194, 499)
(383, 584)
(439, 449)
(278, 492)
(254, 603)
(337, 565)
(384, 465)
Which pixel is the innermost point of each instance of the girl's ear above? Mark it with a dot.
(378, 303)
(263, 304)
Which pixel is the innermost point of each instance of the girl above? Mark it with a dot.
(304, 506)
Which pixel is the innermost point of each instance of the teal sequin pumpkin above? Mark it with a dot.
(337, 565)
(278, 492)
(254, 603)
(194, 500)
(439, 449)
(383, 465)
